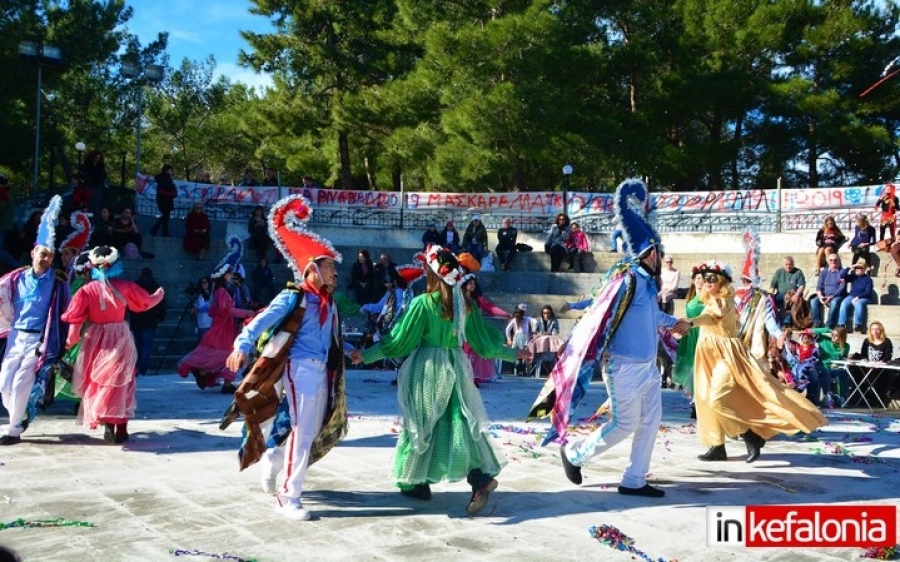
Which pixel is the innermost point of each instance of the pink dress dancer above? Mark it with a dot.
(207, 360)
(104, 374)
(485, 370)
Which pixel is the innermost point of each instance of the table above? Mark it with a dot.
(543, 350)
(872, 371)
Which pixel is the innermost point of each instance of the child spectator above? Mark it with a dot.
(577, 246)
(803, 358)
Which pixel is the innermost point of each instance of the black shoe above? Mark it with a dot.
(480, 498)
(693, 412)
(647, 491)
(716, 453)
(573, 473)
(228, 388)
(109, 434)
(394, 382)
(121, 432)
(10, 440)
(199, 379)
(419, 492)
(754, 443)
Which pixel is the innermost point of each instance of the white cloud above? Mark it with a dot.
(247, 76)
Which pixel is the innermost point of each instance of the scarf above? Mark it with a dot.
(324, 299)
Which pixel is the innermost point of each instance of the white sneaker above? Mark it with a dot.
(293, 509)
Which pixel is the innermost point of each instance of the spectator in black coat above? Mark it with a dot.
(362, 278)
(143, 324)
(386, 276)
(431, 236)
(166, 192)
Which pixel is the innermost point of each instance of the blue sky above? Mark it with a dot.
(199, 28)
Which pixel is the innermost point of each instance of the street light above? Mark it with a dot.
(42, 54)
(567, 171)
(150, 73)
(80, 147)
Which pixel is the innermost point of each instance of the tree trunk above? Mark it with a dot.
(344, 155)
(369, 177)
(396, 178)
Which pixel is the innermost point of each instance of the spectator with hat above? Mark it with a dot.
(450, 237)
(858, 298)
(431, 236)
(475, 238)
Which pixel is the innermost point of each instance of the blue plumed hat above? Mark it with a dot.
(46, 234)
(231, 259)
(640, 237)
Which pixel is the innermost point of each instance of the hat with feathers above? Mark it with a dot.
(231, 259)
(750, 267)
(46, 234)
(444, 264)
(299, 246)
(640, 237)
(412, 272)
(79, 237)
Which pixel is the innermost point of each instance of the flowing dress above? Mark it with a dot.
(104, 375)
(683, 374)
(208, 358)
(734, 392)
(63, 388)
(445, 425)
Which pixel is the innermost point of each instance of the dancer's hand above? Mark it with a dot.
(681, 327)
(356, 356)
(236, 361)
(564, 308)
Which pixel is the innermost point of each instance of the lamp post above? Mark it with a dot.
(567, 171)
(42, 54)
(141, 76)
(80, 147)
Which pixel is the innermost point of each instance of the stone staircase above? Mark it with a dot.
(529, 281)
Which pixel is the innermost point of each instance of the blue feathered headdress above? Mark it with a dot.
(231, 259)
(46, 234)
(639, 235)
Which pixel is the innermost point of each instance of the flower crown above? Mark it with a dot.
(103, 262)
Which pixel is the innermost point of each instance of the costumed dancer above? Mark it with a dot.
(735, 395)
(104, 375)
(483, 369)
(683, 371)
(31, 302)
(756, 309)
(445, 426)
(300, 340)
(622, 328)
(207, 362)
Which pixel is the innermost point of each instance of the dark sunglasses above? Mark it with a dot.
(711, 278)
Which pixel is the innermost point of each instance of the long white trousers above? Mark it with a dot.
(636, 408)
(306, 388)
(17, 377)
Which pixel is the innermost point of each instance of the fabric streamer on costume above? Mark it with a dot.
(614, 538)
(36, 523)
(195, 552)
(568, 382)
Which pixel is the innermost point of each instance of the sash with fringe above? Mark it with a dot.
(568, 383)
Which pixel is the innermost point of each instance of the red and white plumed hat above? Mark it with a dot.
(412, 272)
(750, 267)
(79, 238)
(299, 246)
(444, 264)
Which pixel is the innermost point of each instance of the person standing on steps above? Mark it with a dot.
(166, 192)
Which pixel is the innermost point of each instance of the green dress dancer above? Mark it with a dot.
(63, 387)
(683, 374)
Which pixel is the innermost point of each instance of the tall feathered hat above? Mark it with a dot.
(231, 259)
(46, 234)
(750, 267)
(444, 264)
(412, 272)
(631, 195)
(299, 246)
(78, 238)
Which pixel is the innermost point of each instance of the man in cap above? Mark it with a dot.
(627, 344)
(475, 238)
(31, 302)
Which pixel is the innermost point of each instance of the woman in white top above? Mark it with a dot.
(519, 333)
(201, 307)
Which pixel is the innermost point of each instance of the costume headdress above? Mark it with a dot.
(712, 266)
(299, 246)
(78, 238)
(231, 259)
(444, 264)
(105, 265)
(469, 262)
(46, 234)
(750, 267)
(82, 262)
(412, 272)
(640, 237)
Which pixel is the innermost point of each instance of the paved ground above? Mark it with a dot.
(176, 485)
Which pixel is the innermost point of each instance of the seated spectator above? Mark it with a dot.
(386, 276)
(669, 278)
(383, 312)
(863, 239)
(126, 231)
(555, 245)
(547, 324)
(431, 236)
(81, 195)
(877, 348)
(519, 333)
(803, 358)
(475, 238)
(104, 229)
(450, 238)
(362, 278)
(577, 247)
(196, 232)
(830, 291)
(858, 296)
(506, 244)
(787, 287)
(829, 239)
(262, 280)
(832, 346)
(258, 229)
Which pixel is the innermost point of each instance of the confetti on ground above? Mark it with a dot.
(223, 556)
(882, 553)
(614, 538)
(36, 523)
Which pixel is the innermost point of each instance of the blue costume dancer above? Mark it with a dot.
(622, 327)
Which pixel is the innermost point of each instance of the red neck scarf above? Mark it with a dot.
(324, 299)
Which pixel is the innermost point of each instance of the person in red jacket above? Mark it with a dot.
(166, 192)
